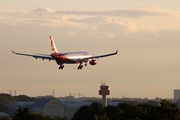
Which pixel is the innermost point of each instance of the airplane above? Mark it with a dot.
(67, 57)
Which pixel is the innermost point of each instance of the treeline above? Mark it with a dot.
(7, 98)
(25, 114)
(96, 111)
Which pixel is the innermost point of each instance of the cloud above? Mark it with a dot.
(136, 12)
(42, 9)
(109, 23)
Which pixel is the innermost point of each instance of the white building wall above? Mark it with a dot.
(54, 108)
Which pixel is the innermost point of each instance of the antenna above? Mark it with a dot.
(102, 81)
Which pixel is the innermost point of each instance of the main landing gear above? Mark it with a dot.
(61, 67)
(80, 67)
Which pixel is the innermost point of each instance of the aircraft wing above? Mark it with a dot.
(41, 56)
(99, 56)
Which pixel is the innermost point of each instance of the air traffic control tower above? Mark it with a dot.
(104, 91)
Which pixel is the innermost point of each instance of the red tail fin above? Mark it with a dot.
(53, 46)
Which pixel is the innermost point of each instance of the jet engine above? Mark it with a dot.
(93, 62)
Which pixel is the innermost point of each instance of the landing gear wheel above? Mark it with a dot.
(61, 67)
(80, 67)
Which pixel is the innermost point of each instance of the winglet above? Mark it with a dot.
(116, 51)
(13, 52)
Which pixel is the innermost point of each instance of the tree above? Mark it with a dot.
(91, 112)
(97, 108)
(168, 111)
(103, 117)
(113, 112)
(130, 111)
(59, 118)
(6, 98)
(4, 118)
(84, 113)
(96, 111)
(22, 114)
(24, 98)
(25, 114)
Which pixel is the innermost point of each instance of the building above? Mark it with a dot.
(13, 106)
(3, 114)
(104, 91)
(55, 108)
(176, 94)
(48, 107)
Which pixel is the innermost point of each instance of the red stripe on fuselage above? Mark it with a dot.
(69, 57)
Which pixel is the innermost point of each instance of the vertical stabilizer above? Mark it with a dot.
(53, 46)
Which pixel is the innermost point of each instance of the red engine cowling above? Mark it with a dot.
(93, 62)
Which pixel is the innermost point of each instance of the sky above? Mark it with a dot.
(146, 34)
